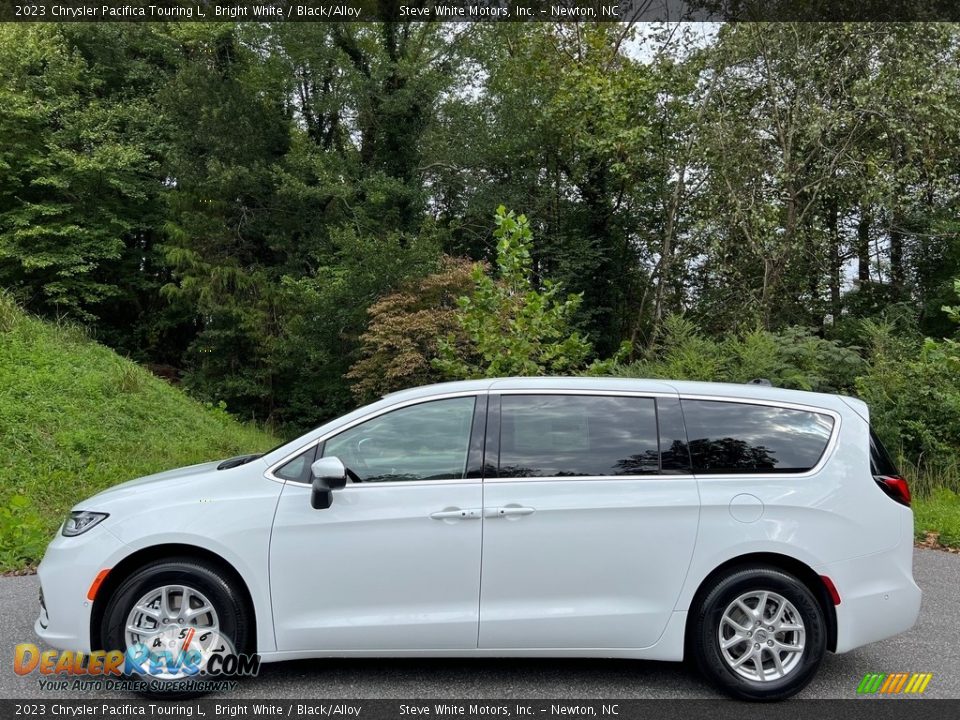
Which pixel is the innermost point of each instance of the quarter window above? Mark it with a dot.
(569, 435)
(298, 469)
(880, 461)
(420, 442)
(728, 437)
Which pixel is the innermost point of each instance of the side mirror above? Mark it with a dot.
(328, 474)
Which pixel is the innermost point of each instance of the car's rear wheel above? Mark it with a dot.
(182, 611)
(759, 634)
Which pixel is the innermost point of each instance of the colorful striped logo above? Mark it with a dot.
(894, 683)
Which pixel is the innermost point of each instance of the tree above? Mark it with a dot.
(232, 198)
(405, 330)
(559, 116)
(80, 176)
(510, 326)
(296, 201)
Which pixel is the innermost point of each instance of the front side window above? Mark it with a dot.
(569, 435)
(730, 437)
(428, 441)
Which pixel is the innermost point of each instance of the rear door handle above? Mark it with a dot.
(457, 514)
(509, 511)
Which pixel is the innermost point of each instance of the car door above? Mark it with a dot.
(590, 521)
(394, 563)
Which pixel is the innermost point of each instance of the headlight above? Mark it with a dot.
(82, 520)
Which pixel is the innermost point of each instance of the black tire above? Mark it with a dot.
(232, 611)
(705, 641)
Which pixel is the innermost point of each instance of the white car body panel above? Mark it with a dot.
(603, 567)
(374, 571)
(592, 567)
(227, 512)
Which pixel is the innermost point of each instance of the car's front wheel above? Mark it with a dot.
(171, 617)
(759, 634)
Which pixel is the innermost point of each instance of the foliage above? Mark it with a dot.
(820, 146)
(912, 385)
(76, 418)
(297, 203)
(793, 358)
(509, 326)
(79, 172)
(953, 311)
(230, 199)
(401, 341)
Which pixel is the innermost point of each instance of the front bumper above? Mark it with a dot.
(68, 569)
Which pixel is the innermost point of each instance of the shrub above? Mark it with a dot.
(401, 341)
(509, 326)
(793, 358)
(913, 390)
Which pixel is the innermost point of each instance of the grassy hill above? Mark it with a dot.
(75, 418)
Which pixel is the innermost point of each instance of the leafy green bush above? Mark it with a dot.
(793, 358)
(511, 327)
(913, 390)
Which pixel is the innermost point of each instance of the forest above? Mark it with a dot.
(290, 220)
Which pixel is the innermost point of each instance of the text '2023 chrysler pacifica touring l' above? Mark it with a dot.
(747, 527)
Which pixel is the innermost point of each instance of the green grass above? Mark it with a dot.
(936, 504)
(76, 418)
(939, 513)
(928, 478)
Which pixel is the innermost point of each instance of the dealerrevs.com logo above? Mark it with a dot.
(176, 659)
(903, 683)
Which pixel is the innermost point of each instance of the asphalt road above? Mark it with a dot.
(932, 646)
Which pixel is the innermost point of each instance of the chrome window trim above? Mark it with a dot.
(824, 457)
(580, 391)
(567, 478)
(395, 483)
(269, 474)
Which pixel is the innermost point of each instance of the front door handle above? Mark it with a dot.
(457, 514)
(509, 511)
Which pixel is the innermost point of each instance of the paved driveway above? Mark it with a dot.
(932, 646)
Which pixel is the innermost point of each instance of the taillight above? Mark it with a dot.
(894, 486)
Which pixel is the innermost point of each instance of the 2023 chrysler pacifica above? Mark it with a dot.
(749, 527)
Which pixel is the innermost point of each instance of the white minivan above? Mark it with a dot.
(749, 527)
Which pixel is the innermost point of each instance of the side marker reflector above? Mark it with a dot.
(97, 582)
(831, 589)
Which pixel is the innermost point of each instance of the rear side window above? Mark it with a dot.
(570, 435)
(880, 461)
(728, 437)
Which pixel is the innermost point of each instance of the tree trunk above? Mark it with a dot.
(896, 251)
(863, 246)
(834, 259)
